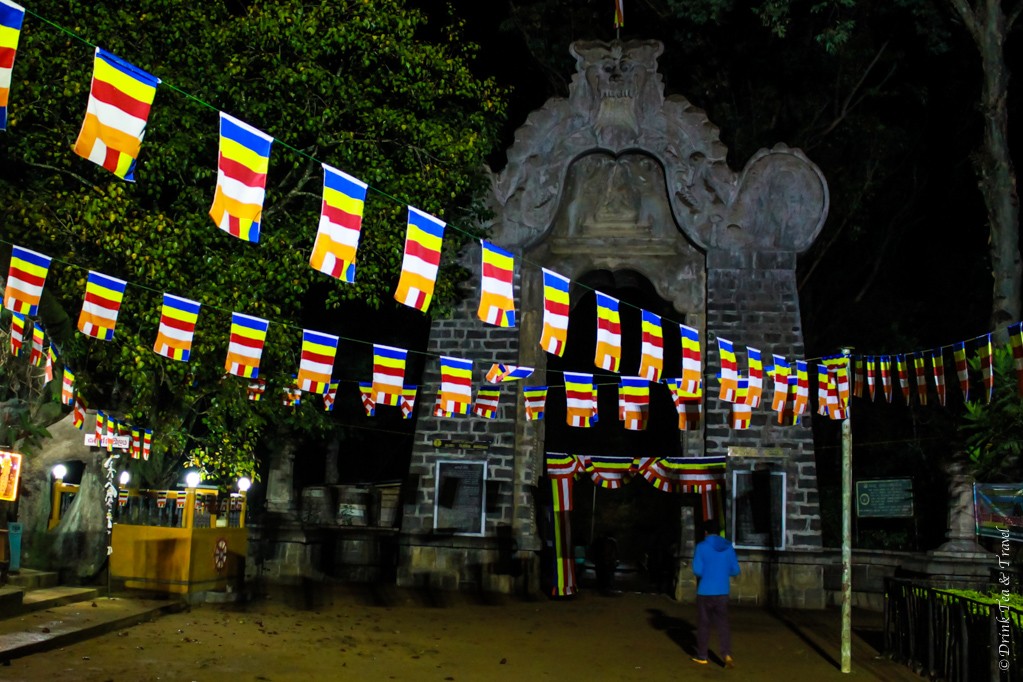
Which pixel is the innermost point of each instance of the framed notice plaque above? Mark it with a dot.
(459, 497)
(758, 509)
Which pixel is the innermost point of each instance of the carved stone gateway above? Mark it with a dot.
(618, 178)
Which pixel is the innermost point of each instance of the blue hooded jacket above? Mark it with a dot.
(714, 564)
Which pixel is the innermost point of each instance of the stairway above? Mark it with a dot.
(37, 614)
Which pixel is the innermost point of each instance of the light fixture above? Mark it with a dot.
(124, 478)
(59, 472)
(192, 479)
(244, 484)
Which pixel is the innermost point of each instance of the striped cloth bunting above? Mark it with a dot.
(242, 166)
(25, 280)
(497, 295)
(317, 362)
(177, 327)
(651, 354)
(245, 345)
(103, 296)
(555, 313)
(337, 237)
(608, 354)
(421, 261)
(12, 15)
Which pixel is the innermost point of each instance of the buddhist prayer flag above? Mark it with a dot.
(11, 17)
(291, 396)
(555, 312)
(579, 403)
(245, 347)
(177, 326)
(25, 281)
(781, 386)
(692, 359)
(962, 372)
(499, 372)
(822, 390)
(419, 265)
(755, 388)
(147, 444)
(729, 378)
(609, 334)
(408, 401)
(497, 296)
(51, 357)
(100, 425)
(871, 378)
(78, 416)
(487, 401)
(35, 356)
(367, 396)
(987, 373)
(136, 443)
(103, 296)
(17, 334)
(619, 13)
(337, 238)
(329, 396)
(651, 359)
(388, 374)
(455, 394)
(920, 376)
(859, 378)
(255, 389)
(634, 402)
(242, 165)
(115, 117)
(742, 413)
(938, 371)
(1016, 343)
(535, 400)
(688, 404)
(802, 398)
(885, 364)
(317, 363)
(67, 387)
(902, 369)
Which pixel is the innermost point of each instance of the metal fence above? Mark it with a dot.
(950, 637)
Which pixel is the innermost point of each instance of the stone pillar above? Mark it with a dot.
(280, 483)
(960, 538)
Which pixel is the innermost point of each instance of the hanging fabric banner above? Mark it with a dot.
(902, 370)
(497, 292)
(241, 178)
(423, 239)
(78, 413)
(103, 296)
(555, 313)
(147, 444)
(579, 403)
(962, 371)
(609, 334)
(408, 401)
(291, 396)
(51, 357)
(920, 377)
(316, 366)
(455, 395)
(871, 377)
(561, 470)
(634, 402)
(688, 404)
(987, 373)
(17, 334)
(255, 389)
(859, 378)
(487, 402)
(12, 15)
(535, 400)
(177, 326)
(938, 372)
(25, 280)
(780, 373)
(611, 472)
(823, 378)
(755, 387)
(388, 374)
(366, 393)
(35, 356)
(245, 345)
(1016, 343)
(499, 373)
(802, 399)
(330, 396)
(729, 378)
(651, 354)
(136, 443)
(885, 365)
(337, 236)
(115, 118)
(692, 360)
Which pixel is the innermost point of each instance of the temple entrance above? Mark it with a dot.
(639, 524)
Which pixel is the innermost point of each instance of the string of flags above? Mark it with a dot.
(120, 99)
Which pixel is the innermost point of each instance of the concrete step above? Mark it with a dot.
(48, 597)
(31, 579)
(58, 626)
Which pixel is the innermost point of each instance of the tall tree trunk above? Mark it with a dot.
(989, 27)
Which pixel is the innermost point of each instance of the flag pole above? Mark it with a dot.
(847, 529)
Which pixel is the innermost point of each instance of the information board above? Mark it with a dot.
(758, 509)
(459, 497)
(884, 498)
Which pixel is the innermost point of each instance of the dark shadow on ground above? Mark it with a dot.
(679, 630)
(798, 632)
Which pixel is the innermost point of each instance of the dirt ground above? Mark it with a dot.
(374, 634)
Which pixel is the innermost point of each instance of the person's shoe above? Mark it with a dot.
(701, 661)
(729, 662)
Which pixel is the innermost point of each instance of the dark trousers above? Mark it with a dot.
(712, 610)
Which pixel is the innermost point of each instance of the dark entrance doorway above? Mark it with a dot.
(645, 523)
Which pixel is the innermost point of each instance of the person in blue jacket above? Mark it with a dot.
(714, 565)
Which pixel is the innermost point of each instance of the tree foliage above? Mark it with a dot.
(994, 430)
(368, 87)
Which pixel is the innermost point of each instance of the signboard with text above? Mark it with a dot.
(119, 442)
(884, 498)
(459, 498)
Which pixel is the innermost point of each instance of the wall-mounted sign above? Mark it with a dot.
(459, 497)
(463, 444)
(885, 498)
(10, 472)
(998, 508)
(119, 442)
